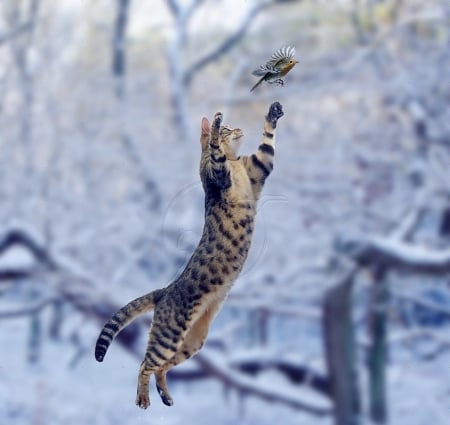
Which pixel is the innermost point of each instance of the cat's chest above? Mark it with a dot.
(241, 188)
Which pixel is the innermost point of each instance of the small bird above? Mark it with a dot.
(279, 64)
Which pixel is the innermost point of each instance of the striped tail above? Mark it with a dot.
(121, 319)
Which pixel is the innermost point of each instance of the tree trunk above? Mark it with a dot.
(119, 46)
(119, 74)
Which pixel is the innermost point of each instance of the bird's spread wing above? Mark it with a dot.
(281, 55)
(264, 70)
(284, 54)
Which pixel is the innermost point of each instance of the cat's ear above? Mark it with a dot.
(205, 126)
(206, 130)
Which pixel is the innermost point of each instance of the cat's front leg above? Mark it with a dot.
(215, 130)
(219, 171)
(275, 113)
(260, 164)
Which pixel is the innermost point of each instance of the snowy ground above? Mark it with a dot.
(56, 390)
(52, 392)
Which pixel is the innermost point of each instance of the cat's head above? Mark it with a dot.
(230, 140)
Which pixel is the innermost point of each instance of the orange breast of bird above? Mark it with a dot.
(286, 68)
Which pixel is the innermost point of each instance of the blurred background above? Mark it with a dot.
(342, 313)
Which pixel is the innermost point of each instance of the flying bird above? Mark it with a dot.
(279, 64)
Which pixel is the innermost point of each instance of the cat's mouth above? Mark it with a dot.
(238, 136)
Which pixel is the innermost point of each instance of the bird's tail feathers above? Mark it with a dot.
(258, 83)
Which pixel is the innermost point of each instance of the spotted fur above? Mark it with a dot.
(183, 311)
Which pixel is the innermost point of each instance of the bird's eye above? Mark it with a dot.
(291, 61)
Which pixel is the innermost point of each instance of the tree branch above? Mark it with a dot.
(296, 373)
(248, 386)
(15, 32)
(422, 302)
(22, 238)
(394, 253)
(26, 311)
(227, 44)
(183, 13)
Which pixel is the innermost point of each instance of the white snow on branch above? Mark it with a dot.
(392, 252)
(307, 400)
(17, 258)
(412, 254)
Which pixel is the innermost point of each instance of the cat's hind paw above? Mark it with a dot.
(165, 396)
(142, 400)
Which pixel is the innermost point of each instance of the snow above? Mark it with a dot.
(17, 258)
(347, 155)
(103, 394)
(414, 254)
(51, 392)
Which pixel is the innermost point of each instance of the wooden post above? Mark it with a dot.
(378, 349)
(340, 352)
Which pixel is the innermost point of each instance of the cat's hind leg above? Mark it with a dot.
(142, 397)
(192, 343)
(163, 343)
(161, 386)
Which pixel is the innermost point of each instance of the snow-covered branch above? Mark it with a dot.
(23, 238)
(250, 387)
(75, 287)
(391, 252)
(295, 372)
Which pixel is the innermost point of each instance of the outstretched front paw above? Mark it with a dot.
(218, 117)
(275, 113)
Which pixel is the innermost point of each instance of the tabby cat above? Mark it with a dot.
(184, 309)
